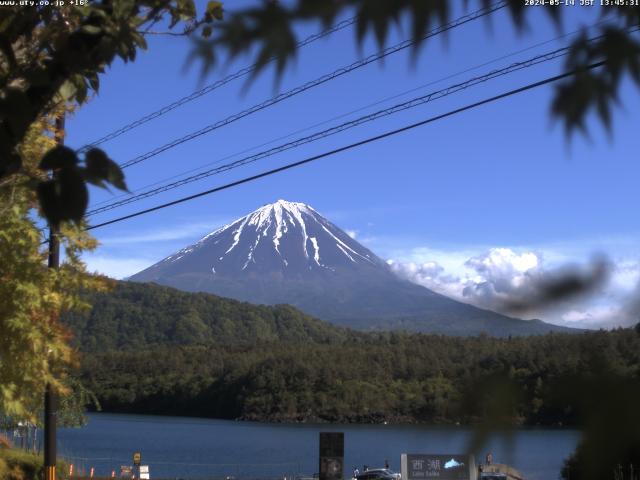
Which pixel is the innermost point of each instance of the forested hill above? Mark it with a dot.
(136, 316)
(152, 349)
(391, 376)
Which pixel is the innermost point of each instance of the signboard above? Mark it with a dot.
(331, 455)
(143, 470)
(136, 458)
(126, 471)
(441, 466)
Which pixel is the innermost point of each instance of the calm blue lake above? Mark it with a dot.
(177, 447)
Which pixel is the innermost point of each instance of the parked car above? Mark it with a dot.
(379, 474)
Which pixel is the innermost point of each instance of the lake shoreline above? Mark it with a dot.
(181, 446)
(371, 420)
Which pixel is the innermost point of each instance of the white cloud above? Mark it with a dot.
(499, 278)
(626, 274)
(430, 275)
(487, 280)
(594, 316)
(451, 260)
(500, 274)
(352, 233)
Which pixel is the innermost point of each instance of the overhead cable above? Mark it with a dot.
(412, 103)
(314, 83)
(210, 88)
(350, 146)
(342, 115)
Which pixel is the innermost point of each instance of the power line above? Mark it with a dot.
(211, 87)
(412, 103)
(314, 83)
(343, 115)
(349, 147)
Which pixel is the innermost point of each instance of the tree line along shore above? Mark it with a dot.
(155, 350)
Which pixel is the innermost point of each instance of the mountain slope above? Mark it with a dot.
(287, 252)
(135, 316)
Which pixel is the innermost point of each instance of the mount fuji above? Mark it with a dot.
(286, 252)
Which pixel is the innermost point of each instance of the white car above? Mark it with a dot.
(379, 474)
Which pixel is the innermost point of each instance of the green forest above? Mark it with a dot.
(391, 377)
(138, 316)
(159, 351)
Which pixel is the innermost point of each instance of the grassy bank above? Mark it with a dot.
(16, 464)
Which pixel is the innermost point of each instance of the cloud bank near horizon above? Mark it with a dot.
(598, 294)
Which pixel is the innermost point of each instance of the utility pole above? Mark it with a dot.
(50, 398)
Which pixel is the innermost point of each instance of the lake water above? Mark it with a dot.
(177, 447)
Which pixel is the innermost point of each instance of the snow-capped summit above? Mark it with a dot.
(286, 252)
(289, 238)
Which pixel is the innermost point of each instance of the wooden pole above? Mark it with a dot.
(50, 398)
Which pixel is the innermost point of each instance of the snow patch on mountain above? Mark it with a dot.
(316, 255)
(289, 237)
(280, 219)
(342, 244)
(237, 233)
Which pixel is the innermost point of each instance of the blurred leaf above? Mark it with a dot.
(204, 52)
(595, 90)
(207, 31)
(187, 9)
(100, 168)
(59, 157)
(94, 81)
(123, 8)
(74, 195)
(65, 197)
(560, 285)
(214, 11)
(517, 10)
(16, 108)
(494, 400)
(423, 13)
(48, 198)
(68, 91)
(609, 410)
(139, 40)
(379, 14)
(10, 163)
(91, 29)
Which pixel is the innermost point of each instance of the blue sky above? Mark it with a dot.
(494, 196)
